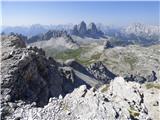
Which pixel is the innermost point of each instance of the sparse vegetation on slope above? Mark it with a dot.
(133, 113)
(96, 56)
(120, 60)
(131, 60)
(77, 54)
(152, 85)
(104, 88)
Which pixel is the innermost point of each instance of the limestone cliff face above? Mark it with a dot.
(82, 28)
(83, 31)
(26, 72)
(92, 28)
(75, 30)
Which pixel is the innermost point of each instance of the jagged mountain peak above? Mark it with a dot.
(87, 31)
(82, 28)
(82, 22)
(92, 28)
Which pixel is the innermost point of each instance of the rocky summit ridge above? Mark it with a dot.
(34, 86)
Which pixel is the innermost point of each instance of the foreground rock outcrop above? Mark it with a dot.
(27, 74)
(120, 101)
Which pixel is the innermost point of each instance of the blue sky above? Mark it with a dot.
(115, 13)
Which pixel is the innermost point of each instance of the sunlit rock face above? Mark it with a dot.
(75, 30)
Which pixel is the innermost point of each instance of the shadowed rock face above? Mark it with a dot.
(82, 30)
(92, 28)
(47, 36)
(100, 72)
(82, 75)
(75, 30)
(140, 79)
(107, 44)
(77, 66)
(27, 74)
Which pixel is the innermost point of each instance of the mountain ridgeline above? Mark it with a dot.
(80, 30)
(136, 33)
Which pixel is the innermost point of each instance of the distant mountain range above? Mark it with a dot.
(34, 29)
(53, 39)
(135, 33)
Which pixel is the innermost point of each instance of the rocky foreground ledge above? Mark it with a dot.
(36, 87)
